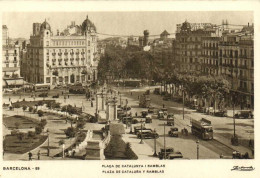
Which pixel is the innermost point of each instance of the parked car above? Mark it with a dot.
(174, 132)
(221, 113)
(156, 91)
(56, 96)
(138, 129)
(144, 113)
(43, 95)
(128, 108)
(148, 119)
(151, 110)
(244, 114)
(170, 119)
(168, 153)
(147, 134)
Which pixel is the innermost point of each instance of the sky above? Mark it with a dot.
(120, 23)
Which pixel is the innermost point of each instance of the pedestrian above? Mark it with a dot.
(163, 105)
(92, 104)
(30, 156)
(9, 99)
(39, 154)
(62, 92)
(136, 114)
(131, 93)
(68, 96)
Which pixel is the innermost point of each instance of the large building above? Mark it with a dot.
(209, 56)
(218, 50)
(236, 61)
(188, 47)
(62, 58)
(5, 36)
(10, 62)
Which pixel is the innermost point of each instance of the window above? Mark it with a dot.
(7, 65)
(47, 43)
(15, 65)
(48, 80)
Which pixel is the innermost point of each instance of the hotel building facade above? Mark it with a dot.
(64, 58)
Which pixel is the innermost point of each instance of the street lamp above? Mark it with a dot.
(155, 153)
(198, 149)
(131, 131)
(48, 149)
(183, 103)
(164, 140)
(141, 142)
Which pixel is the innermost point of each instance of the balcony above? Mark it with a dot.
(65, 53)
(82, 53)
(71, 53)
(59, 54)
(77, 53)
(53, 54)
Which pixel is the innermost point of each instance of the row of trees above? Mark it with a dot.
(132, 62)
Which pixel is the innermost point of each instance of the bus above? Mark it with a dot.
(41, 87)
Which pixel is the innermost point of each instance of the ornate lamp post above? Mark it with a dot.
(48, 149)
(198, 149)
(141, 142)
(155, 153)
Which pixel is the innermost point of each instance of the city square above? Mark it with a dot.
(81, 94)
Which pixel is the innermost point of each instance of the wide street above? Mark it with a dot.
(222, 128)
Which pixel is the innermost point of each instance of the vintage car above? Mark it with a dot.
(174, 132)
(170, 119)
(244, 114)
(151, 109)
(126, 120)
(147, 134)
(148, 119)
(168, 153)
(144, 113)
(138, 129)
(221, 113)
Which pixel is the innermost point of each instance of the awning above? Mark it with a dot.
(14, 82)
(10, 69)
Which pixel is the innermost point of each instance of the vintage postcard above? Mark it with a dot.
(113, 89)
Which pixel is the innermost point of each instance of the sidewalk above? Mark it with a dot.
(143, 151)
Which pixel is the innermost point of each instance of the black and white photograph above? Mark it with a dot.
(153, 86)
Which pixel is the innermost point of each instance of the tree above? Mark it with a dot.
(38, 129)
(24, 108)
(17, 124)
(40, 113)
(30, 109)
(20, 136)
(31, 134)
(43, 123)
(80, 124)
(70, 132)
(14, 132)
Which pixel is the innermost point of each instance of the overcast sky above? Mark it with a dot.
(120, 23)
